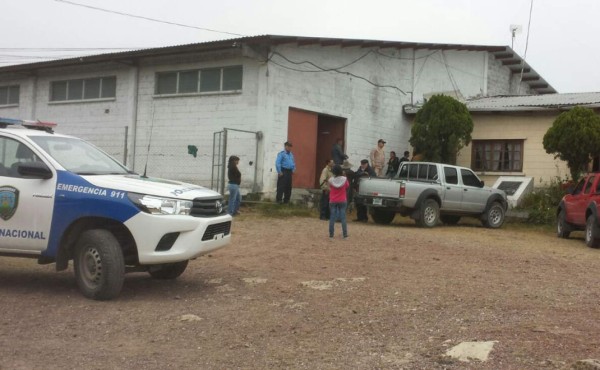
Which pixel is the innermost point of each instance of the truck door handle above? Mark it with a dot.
(465, 189)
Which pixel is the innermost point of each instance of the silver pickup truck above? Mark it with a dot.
(429, 192)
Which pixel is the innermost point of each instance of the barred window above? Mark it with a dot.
(497, 155)
(83, 89)
(9, 95)
(223, 79)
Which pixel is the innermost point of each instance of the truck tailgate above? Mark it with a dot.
(379, 187)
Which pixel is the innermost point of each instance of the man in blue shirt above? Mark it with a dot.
(285, 166)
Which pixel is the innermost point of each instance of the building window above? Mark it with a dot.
(206, 80)
(497, 155)
(9, 95)
(83, 89)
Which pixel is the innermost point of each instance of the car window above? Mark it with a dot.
(79, 156)
(13, 152)
(579, 186)
(403, 173)
(588, 185)
(469, 178)
(451, 175)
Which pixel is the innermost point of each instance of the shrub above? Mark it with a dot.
(541, 203)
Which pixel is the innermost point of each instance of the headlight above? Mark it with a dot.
(161, 206)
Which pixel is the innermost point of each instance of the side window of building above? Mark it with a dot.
(83, 89)
(451, 175)
(497, 155)
(9, 95)
(12, 153)
(207, 80)
(469, 178)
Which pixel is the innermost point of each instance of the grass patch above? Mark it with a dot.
(271, 209)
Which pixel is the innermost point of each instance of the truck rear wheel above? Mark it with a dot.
(99, 264)
(494, 217)
(592, 239)
(168, 271)
(383, 217)
(429, 213)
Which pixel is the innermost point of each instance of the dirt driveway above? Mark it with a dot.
(284, 296)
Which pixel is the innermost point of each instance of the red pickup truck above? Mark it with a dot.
(578, 210)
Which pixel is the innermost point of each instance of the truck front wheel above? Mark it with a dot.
(563, 229)
(167, 271)
(429, 213)
(383, 217)
(99, 265)
(494, 217)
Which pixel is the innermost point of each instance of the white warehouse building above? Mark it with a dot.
(178, 112)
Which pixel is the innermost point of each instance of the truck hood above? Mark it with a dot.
(151, 186)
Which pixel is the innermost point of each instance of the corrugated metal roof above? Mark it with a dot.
(527, 102)
(504, 54)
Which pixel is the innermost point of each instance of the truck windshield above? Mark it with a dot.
(79, 156)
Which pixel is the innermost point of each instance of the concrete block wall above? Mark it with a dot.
(172, 123)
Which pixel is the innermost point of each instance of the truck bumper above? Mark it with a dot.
(167, 239)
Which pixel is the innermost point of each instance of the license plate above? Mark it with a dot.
(377, 201)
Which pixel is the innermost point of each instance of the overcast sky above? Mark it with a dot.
(563, 39)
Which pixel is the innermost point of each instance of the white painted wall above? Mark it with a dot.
(169, 124)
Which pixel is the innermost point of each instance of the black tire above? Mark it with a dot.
(494, 217)
(450, 219)
(383, 217)
(167, 271)
(99, 264)
(592, 236)
(563, 229)
(429, 213)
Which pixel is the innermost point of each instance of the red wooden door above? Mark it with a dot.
(302, 133)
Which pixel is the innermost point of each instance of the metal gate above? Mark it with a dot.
(235, 142)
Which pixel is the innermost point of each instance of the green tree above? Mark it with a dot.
(442, 127)
(574, 137)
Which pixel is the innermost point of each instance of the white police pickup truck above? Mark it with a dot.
(61, 198)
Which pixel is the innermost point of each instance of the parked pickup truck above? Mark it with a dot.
(63, 199)
(578, 210)
(429, 192)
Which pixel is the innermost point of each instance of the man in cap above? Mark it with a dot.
(377, 157)
(285, 167)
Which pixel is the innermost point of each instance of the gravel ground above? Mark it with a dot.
(283, 295)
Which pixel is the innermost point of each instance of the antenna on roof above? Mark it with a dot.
(514, 30)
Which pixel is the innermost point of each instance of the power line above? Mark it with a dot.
(526, 45)
(146, 18)
(337, 70)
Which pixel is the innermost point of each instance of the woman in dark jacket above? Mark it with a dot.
(235, 179)
(393, 165)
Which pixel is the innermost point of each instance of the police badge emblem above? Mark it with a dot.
(9, 200)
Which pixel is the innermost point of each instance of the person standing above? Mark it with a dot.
(406, 157)
(363, 171)
(235, 179)
(285, 166)
(377, 157)
(337, 200)
(337, 152)
(326, 174)
(393, 165)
